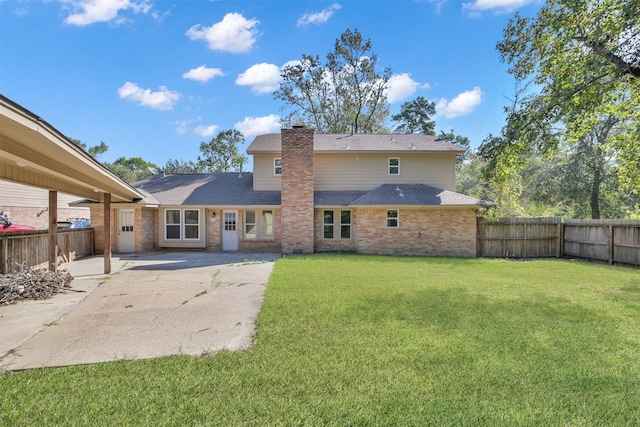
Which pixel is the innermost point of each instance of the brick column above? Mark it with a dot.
(297, 190)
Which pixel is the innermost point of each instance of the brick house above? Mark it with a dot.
(376, 194)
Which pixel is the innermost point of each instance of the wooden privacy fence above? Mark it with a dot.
(31, 249)
(612, 241)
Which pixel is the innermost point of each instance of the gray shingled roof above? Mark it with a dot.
(271, 143)
(336, 198)
(227, 189)
(217, 189)
(415, 194)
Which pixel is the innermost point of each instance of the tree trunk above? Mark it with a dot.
(595, 193)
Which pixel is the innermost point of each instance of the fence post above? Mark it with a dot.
(479, 237)
(560, 248)
(5, 256)
(67, 245)
(611, 243)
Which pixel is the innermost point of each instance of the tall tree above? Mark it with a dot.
(221, 153)
(131, 169)
(94, 151)
(183, 167)
(585, 58)
(459, 140)
(345, 93)
(415, 117)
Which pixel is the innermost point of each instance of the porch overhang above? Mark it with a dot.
(33, 152)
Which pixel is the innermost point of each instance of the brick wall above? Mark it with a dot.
(333, 245)
(437, 231)
(145, 220)
(263, 245)
(214, 229)
(97, 223)
(297, 190)
(39, 217)
(149, 225)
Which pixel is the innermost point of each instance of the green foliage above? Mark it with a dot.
(389, 341)
(94, 151)
(415, 117)
(345, 92)
(183, 167)
(459, 140)
(221, 153)
(131, 169)
(584, 58)
(578, 180)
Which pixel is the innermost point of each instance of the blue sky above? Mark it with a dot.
(153, 79)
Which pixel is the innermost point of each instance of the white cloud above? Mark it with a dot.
(318, 17)
(234, 34)
(263, 78)
(252, 126)
(202, 74)
(401, 86)
(181, 126)
(461, 105)
(85, 12)
(164, 99)
(205, 130)
(500, 6)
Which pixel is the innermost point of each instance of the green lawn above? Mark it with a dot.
(370, 340)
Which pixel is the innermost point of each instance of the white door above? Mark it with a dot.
(230, 231)
(126, 233)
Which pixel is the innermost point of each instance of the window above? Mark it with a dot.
(258, 224)
(277, 166)
(191, 224)
(394, 166)
(330, 225)
(250, 230)
(393, 218)
(267, 224)
(345, 224)
(173, 224)
(182, 224)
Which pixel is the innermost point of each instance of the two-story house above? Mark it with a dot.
(377, 194)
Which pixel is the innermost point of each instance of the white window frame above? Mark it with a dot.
(253, 224)
(183, 224)
(336, 225)
(345, 224)
(391, 167)
(263, 228)
(172, 224)
(266, 227)
(393, 219)
(328, 226)
(277, 166)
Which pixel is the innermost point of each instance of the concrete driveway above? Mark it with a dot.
(152, 305)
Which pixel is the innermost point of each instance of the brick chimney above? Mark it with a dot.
(297, 190)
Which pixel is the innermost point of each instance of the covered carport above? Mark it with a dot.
(33, 152)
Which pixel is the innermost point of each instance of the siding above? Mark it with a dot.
(199, 243)
(13, 194)
(27, 205)
(263, 177)
(365, 171)
(357, 171)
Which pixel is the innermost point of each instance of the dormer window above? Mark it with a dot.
(394, 166)
(277, 166)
